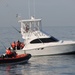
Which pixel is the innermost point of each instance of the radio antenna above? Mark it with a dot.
(34, 7)
(29, 10)
(29, 7)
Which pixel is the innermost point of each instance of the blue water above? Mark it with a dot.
(45, 65)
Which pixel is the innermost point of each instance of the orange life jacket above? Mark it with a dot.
(8, 52)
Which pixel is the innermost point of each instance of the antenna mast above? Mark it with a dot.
(29, 10)
(34, 7)
(29, 7)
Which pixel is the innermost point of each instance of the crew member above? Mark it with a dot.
(13, 45)
(9, 53)
(18, 44)
(22, 45)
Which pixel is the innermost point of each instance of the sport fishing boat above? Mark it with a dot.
(38, 43)
(18, 59)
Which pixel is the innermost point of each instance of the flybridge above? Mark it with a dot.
(30, 20)
(30, 25)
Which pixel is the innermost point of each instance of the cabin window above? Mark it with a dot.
(44, 40)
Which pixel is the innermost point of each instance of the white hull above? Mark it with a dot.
(50, 50)
(38, 43)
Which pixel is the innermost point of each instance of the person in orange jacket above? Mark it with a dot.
(9, 53)
(13, 45)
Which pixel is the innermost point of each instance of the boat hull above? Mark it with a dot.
(50, 50)
(38, 43)
(19, 58)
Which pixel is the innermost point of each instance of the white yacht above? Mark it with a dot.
(38, 43)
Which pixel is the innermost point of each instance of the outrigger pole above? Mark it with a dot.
(16, 29)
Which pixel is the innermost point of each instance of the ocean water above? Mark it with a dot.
(44, 65)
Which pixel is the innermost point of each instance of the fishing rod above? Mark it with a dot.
(8, 41)
(16, 29)
(3, 44)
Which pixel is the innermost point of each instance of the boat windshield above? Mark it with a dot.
(30, 25)
(44, 40)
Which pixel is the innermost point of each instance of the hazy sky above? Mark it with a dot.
(52, 12)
